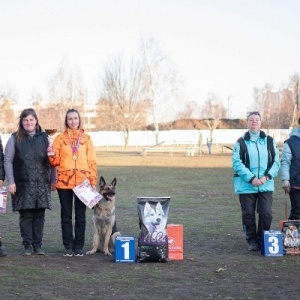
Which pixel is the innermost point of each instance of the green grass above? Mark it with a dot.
(202, 199)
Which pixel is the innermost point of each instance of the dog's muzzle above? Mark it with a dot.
(108, 194)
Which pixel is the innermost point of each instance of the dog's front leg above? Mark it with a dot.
(96, 241)
(106, 241)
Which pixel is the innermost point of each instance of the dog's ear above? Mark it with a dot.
(147, 208)
(114, 182)
(102, 181)
(159, 207)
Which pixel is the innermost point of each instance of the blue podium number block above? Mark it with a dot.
(272, 243)
(125, 249)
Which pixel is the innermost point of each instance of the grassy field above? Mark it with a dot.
(216, 265)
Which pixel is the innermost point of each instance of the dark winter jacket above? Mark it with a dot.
(2, 174)
(290, 160)
(32, 173)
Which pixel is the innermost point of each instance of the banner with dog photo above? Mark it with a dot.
(291, 237)
(3, 199)
(153, 240)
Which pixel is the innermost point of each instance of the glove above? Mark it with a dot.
(286, 185)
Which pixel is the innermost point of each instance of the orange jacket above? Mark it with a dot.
(72, 172)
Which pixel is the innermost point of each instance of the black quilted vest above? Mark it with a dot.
(32, 173)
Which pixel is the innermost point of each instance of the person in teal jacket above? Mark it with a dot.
(290, 170)
(255, 165)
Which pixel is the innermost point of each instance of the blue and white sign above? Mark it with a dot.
(272, 243)
(125, 249)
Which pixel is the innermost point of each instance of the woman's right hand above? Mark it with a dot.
(12, 188)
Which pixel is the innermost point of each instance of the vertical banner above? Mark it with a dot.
(3, 199)
(153, 240)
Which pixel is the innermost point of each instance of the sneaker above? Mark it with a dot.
(27, 250)
(68, 252)
(78, 252)
(2, 253)
(253, 247)
(38, 250)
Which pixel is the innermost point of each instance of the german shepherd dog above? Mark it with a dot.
(104, 219)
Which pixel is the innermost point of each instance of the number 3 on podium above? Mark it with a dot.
(272, 243)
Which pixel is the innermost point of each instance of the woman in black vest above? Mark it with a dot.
(29, 177)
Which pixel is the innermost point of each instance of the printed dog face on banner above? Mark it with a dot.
(154, 218)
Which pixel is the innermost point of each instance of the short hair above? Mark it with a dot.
(251, 113)
(70, 111)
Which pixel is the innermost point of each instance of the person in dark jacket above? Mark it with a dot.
(254, 182)
(2, 177)
(30, 179)
(290, 170)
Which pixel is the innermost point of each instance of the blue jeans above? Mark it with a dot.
(70, 241)
(250, 203)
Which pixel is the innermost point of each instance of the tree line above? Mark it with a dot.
(143, 89)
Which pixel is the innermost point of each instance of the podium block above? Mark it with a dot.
(125, 249)
(272, 244)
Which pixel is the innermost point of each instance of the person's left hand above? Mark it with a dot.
(263, 179)
(256, 182)
(53, 187)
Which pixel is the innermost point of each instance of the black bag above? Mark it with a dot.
(153, 239)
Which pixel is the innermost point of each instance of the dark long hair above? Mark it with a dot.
(21, 132)
(66, 117)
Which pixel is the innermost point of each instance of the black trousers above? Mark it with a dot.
(72, 240)
(31, 223)
(250, 204)
(295, 205)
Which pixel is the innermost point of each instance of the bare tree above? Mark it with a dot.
(36, 99)
(163, 82)
(122, 102)
(213, 108)
(295, 87)
(8, 97)
(277, 107)
(188, 111)
(212, 111)
(66, 91)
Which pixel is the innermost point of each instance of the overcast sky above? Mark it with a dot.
(226, 47)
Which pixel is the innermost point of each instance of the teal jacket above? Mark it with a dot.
(258, 156)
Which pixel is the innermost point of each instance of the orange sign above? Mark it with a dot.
(175, 241)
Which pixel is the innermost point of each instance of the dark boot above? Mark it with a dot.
(2, 253)
(37, 249)
(27, 250)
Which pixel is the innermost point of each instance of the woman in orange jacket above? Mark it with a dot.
(75, 158)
